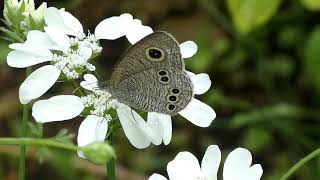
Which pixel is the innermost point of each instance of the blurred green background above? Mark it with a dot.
(262, 56)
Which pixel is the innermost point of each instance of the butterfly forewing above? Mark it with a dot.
(164, 51)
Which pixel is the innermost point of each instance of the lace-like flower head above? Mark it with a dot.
(97, 103)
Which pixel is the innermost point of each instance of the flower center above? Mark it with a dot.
(75, 60)
(99, 102)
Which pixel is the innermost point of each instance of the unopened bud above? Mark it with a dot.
(98, 152)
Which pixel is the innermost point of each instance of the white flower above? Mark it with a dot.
(140, 133)
(236, 167)
(37, 50)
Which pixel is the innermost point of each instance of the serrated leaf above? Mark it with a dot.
(35, 130)
(33, 24)
(64, 136)
(312, 57)
(11, 35)
(7, 39)
(313, 5)
(42, 154)
(250, 14)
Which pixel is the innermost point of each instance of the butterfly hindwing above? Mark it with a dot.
(157, 50)
(163, 90)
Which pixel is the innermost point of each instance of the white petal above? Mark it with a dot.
(72, 23)
(184, 166)
(37, 83)
(63, 21)
(90, 78)
(89, 86)
(85, 52)
(58, 37)
(22, 59)
(129, 120)
(153, 122)
(41, 40)
(188, 49)
(199, 113)
(201, 82)
(255, 172)
(166, 123)
(162, 126)
(252, 173)
(136, 33)
(29, 48)
(113, 27)
(92, 129)
(53, 18)
(90, 83)
(157, 177)
(238, 161)
(210, 162)
(57, 108)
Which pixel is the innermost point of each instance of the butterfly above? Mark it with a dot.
(151, 76)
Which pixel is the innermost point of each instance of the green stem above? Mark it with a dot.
(25, 116)
(297, 166)
(38, 142)
(111, 169)
(77, 89)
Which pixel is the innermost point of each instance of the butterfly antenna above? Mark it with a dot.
(98, 75)
(61, 81)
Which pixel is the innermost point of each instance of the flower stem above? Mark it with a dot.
(111, 169)
(25, 116)
(298, 165)
(38, 142)
(77, 89)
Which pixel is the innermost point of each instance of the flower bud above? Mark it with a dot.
(98, 152)
(21, 16)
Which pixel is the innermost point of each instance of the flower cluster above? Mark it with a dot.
(68, 50)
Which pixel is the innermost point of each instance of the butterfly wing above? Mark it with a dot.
(156, 50)
(164, 90)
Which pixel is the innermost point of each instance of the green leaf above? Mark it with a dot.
(11, 35)
(312, 57)
(313, 5)
(64, 136)
(250, 14)
(35, 130)
(270, 113)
